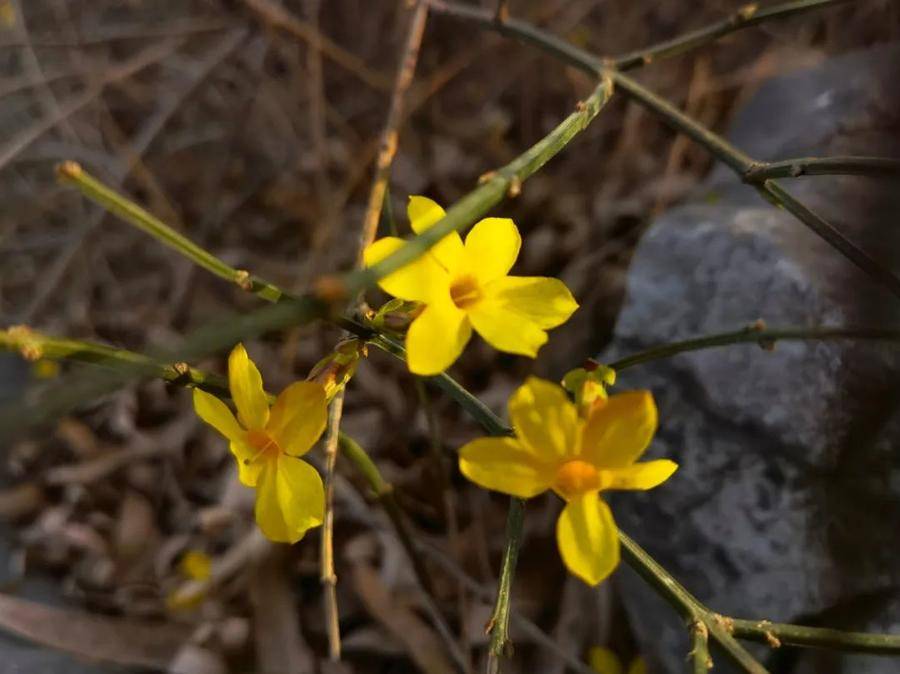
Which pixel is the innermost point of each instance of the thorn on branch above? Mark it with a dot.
(486, 177)
(515, 187)
(724, 622)
(771, 639)
(759, 325)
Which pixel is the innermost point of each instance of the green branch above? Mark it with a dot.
(73, 174)
(820, 166)
(749, 15)
(764, 337)
(776, 634)
(498, 625)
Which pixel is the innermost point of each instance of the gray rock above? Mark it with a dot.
(787, 503)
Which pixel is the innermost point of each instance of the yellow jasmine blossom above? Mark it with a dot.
(466, 285)
(195, 565)
(604, 661)
(556, 448)
(268, 444)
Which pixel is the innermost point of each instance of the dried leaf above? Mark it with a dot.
(279, 644)
(418, 639)
(113, 640)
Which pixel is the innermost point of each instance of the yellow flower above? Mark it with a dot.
(604, 661)
(268, 444)
(554, 448)
(465, 286)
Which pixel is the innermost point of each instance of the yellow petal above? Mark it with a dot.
(419, 281)
(216, 413)
(516, 311)
(642, 476)
(618, 432)
(545, 420)
(298, 417)
(302, 494)
(247, 391)
(505, 329)
(587, 538)
(638, 666)
(248, 463)
(436, 338)
(290, 499)
(604, 661)
(504, 465)
(491, 248)
(546, 302)
(423, 213)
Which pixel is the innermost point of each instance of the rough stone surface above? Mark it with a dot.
(787, 504)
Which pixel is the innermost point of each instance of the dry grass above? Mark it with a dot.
(204, 112)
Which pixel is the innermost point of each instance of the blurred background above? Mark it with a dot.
(252, 126)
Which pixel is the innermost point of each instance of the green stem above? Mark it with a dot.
(815, 637)
(690, 609)
(762, 336)
(700, 660)
(328, 576)
(33, 345)
(818, 166)
(72, 173)
(746, 16)
(498, 625)
(865, 262)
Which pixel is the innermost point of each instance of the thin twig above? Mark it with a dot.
(701, 663)
(775, 634)
(69, 107)
(818, 166)
(750, 14)
(498, 625)
(390, 135)
(686, 604)
(758, 334)
(328, 576)
(279, 17)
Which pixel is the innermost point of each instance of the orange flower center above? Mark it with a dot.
(465, 291)
(577, 477)
(263, 444)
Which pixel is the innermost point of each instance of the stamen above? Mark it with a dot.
(465, 291)
(263, 443)
(577, 477)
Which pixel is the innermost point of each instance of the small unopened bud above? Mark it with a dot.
(242, 278)
(69, 169)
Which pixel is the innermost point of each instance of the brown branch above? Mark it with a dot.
(391, 134)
